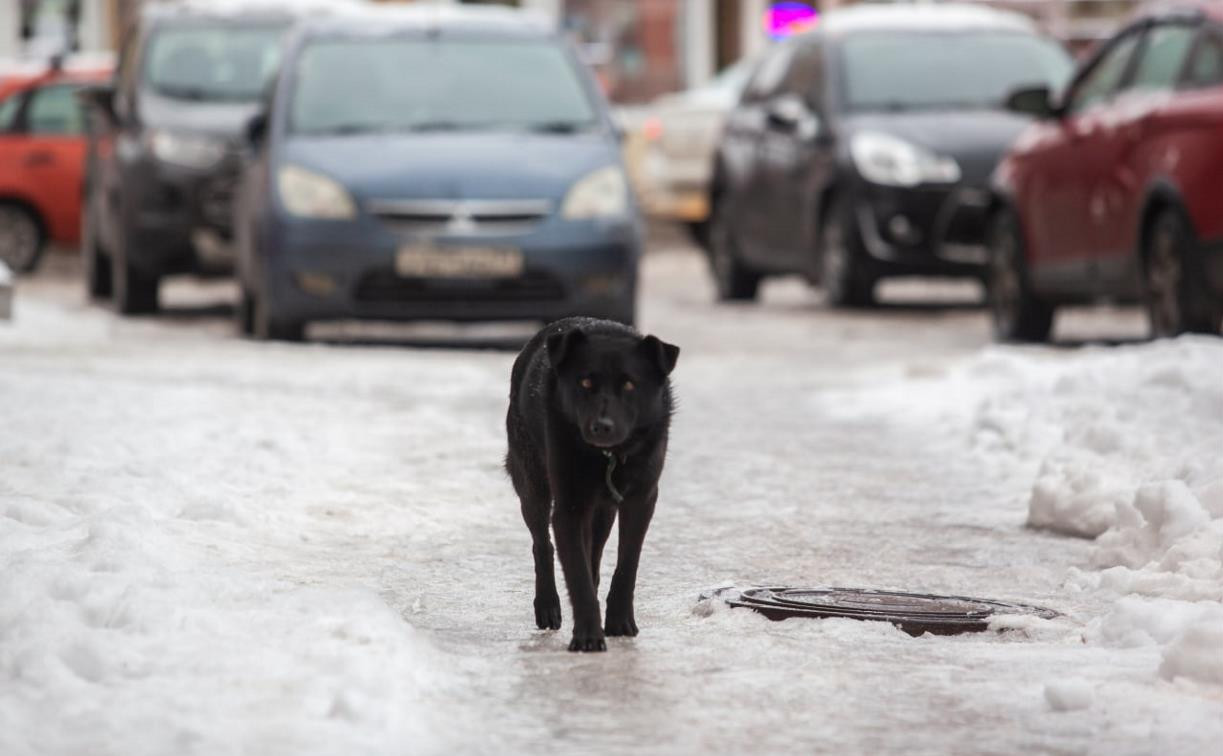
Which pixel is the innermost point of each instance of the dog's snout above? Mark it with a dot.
(602, 427)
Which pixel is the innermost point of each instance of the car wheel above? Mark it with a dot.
(734, 280)
(844, 273)
(135, 292)
(268, 325)
(21, 239)
(244, 313)
(1178, 300)
(96, 263)
(1018, 315)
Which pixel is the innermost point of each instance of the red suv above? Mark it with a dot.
(42, 152)
(1117, 192)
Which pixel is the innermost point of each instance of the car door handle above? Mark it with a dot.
(41, 157)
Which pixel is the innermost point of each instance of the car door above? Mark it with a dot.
(794, 161)
(52, 154)
(1119, 160)
(1067, 169)
(12, 142)
(746, 179)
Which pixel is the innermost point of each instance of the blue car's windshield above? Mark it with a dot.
(900, 70)
(213, 62)
(421, 84)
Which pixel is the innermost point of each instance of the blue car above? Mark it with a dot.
(419, 164)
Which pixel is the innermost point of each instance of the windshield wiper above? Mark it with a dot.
(198, 94)
(560, 127)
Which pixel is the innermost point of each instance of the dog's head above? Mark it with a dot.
(610, 385)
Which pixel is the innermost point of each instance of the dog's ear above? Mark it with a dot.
(563, 345)
(661, 353)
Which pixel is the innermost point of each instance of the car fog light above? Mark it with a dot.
(318, 284)
(902, 230)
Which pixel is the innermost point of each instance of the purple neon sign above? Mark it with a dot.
(785, 18)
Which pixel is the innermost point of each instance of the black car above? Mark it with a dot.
(164, 153)
(863, 148)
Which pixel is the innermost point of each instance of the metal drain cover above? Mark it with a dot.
(915, 613)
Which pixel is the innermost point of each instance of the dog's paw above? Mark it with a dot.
(620, 625)
(548, 614)
(587, 643)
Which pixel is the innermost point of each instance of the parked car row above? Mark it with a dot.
(927, 140)
(392, 164)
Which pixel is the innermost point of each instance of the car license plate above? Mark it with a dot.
(425, 261)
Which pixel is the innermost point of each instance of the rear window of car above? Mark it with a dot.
(406, 84)
(221, 62)
(907, 70)
(1163, 56)
(1206, 66)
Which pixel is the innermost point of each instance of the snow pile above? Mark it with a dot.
(1108, 424)
(1069, 695)
(1128, 449)
(112, 614)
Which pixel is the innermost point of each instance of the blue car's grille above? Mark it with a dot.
(385, 286)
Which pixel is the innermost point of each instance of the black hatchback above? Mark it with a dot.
(862, 149)
(163, 153)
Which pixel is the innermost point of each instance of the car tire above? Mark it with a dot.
(844, 270)
(733, 280)
(244, 313)
(21, 238)
(95, 262)
(268, 325)
(135, 292)
(1177, 297)
(1018, 315)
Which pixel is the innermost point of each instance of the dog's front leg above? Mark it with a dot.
(635, 519)
(572, 529)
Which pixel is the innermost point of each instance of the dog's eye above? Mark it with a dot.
(629, 386)
(586, 383)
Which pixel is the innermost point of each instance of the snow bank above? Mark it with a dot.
(1128, 449)
(110, 615)
(1104, 425)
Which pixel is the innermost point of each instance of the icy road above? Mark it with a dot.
(209, 546)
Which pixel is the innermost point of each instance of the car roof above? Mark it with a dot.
(22, 74)
(219, 10)
(1212, 9)
(920, 17)
(379, 20)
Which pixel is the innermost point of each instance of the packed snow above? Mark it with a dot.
(212, 546)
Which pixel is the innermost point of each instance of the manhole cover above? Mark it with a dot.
(915, 613)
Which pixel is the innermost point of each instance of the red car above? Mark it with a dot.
(1117, 192)
(42, 153)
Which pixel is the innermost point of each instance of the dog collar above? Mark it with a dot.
(612, 460)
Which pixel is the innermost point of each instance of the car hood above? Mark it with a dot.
(455, 165)
(977, 139)
(222, 119)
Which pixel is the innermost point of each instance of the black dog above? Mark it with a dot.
(590, 407)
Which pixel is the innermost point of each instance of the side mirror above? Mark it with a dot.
(100, 97)
(257, 129)
(1033, 101)
(791, 114)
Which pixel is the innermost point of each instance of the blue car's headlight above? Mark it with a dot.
(311, 195)
(598, 194)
